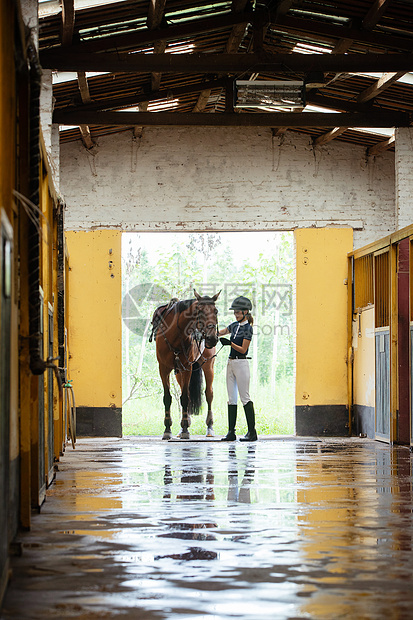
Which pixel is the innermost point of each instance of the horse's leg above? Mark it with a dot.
(208, 369)
(183, 378)
(164, 371)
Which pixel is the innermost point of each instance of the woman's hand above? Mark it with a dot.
(225, 341)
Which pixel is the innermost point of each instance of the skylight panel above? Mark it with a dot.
(180, 48)
(68, 127)
(385, 132)
(53, 7)
(331, 19)
(316, 108)
(310, 48)
(155, 106)
(62, 77)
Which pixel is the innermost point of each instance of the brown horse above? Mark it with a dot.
(186, 333)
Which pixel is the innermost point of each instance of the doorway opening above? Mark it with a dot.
(157, 267)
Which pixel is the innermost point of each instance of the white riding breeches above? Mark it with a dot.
(238, 381)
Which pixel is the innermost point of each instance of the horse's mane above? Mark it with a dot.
(187, 303)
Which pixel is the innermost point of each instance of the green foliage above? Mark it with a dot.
(159, 267)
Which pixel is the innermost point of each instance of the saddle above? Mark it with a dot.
(158, 315)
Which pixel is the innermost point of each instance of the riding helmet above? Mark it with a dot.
(241, 303)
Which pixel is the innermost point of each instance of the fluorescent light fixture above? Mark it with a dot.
(268, 95)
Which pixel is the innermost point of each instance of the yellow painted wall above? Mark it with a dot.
(7, 106)
(364, 359)
(321, 315)
(7, 184)
(95, 336)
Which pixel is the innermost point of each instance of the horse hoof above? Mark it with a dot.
(183, 435)
(167, 435)
(210, 432)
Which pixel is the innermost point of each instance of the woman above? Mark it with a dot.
(238, 370)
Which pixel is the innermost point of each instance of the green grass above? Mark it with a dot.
(144, 416)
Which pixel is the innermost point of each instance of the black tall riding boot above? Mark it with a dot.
(232, 418)
(250, 415)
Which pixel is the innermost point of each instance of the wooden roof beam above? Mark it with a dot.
(68, 21)
(369, 22)
(231, 47)
(378, 87)
(85, 95)
(117, 103)
(86, 136)
(375, 13)
(336, 104)
(332, 31)
(329, 136)
(68, 24)
(171, 32)
(156, 14)
(380, 147)
(270, 119)
(282, 22)
(83, 87)
(227, 63)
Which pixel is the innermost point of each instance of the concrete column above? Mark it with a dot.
(50, 131)
(29, 9)
(404, 176)
(46, 108)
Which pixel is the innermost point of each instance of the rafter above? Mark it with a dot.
(375, 13)
(378, 87)
(86, 136)
(68, 21)
(380, 147)
(329, 136)
(83, 87)
(85, 132)
(281, 119)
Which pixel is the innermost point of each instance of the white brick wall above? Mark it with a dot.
(226, 179)
(404, 176)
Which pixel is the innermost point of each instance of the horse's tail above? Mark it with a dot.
(195, 397)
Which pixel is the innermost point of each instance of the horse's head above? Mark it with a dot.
(207, 319)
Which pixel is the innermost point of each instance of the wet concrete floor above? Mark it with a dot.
(281, 529)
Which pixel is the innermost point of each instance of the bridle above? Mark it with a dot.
(203, 334)
(198, 335)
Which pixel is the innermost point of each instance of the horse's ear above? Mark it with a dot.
(197, 295)
(215, 297)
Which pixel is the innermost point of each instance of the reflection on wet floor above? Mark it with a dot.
(137, 528)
